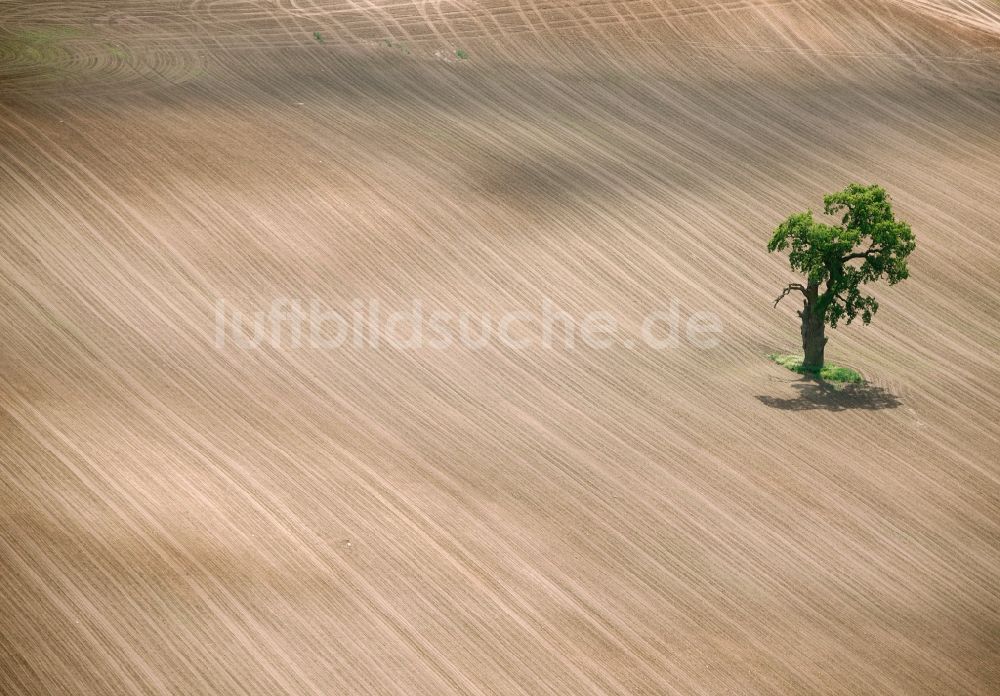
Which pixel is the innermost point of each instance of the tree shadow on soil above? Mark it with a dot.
(815, 393)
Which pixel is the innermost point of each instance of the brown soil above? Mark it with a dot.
(180, 519)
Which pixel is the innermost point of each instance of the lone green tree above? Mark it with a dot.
(867, 245)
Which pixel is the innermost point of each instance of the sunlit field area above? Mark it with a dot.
(389, 347)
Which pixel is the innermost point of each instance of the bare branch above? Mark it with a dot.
(788, 289)
(861, 254)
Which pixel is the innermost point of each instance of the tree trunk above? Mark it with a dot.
(813, 333)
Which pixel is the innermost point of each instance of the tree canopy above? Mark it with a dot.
(867, 245)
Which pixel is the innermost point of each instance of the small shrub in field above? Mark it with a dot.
(831, 373)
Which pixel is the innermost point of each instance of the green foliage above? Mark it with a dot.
(318, 37)
(867, 245)
(831, 373)
(462, 54)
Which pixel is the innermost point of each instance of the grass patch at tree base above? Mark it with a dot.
(831, 373)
